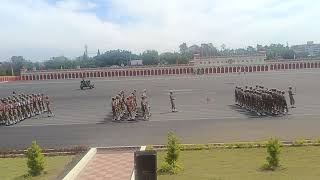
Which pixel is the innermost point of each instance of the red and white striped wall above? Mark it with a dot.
(9, 78)
(166, 70)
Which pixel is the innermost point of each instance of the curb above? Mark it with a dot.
(80, 165)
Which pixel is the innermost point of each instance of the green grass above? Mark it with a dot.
(16, 168)
(297, 163)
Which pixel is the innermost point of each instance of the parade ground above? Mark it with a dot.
(205, 104)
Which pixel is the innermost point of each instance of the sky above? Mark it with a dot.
(40, 29)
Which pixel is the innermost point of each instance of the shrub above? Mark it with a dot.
(171, 160)
(173, 149)
(198, 147)
(210, 146)
(251, 145)
(317, 142)
(169, 169)
(299, 142)
(149, 148)
(35, 161)
(273, 149)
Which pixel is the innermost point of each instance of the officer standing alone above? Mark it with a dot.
(292, 101)
(172, 99)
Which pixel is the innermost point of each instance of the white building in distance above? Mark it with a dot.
(309, 49)
(136, 63)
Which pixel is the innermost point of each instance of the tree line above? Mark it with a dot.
(148, 57)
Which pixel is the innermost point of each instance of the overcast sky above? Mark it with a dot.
(39, 29)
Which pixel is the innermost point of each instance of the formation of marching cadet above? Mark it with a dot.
(16, 108)
(263, 101)
(127, 105)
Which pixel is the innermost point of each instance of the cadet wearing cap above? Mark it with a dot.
(292, 101)
(172, 98)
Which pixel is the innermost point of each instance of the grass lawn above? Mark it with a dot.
(297, 163)
(16, 168)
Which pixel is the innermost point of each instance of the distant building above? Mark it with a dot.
(309, 49)
(136, 63)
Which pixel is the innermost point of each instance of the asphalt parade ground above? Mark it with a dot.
(206, 111)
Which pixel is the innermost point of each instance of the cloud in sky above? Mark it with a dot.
(39, 29)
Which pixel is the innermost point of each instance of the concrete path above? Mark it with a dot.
(109, 165)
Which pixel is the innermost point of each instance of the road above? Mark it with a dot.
(205, 103)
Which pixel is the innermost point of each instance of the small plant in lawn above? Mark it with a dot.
(299, 142)
(237, 145)
(317, 142)
(171, 165)
(35, 161)
(251, 145)
(149, 148)
(198, 147)
(273, 149)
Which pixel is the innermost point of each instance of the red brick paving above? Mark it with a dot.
(113, 165)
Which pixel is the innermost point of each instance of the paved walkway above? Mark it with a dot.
(109, 165)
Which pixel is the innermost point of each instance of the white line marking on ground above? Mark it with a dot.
(179, 90)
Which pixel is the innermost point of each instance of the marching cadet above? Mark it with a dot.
(2, 119)
(118, 108)
(134, 93)
(172, 99)
(292, 101)
(6, 111)
(114, 106)
(144, 93)
(24, 107)
(283, 103)
(11, 112)
(236, 94)
(35, 107)
(144, 107)
(129, 104)
(38, 97)
(122, 102)
(30, 104)
(42, 103)
(18, 110)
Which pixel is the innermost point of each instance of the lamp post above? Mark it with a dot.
(12, 74)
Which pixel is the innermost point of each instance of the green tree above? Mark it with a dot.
(35, 161)
(273, 159)
(114, 57)
(223, 47)
(171, 164)
(150, 57)
(173, 149)
(276, 51)
(251, 50)
(194, 49)
(60, 62)
(17, 64)
(213, 50)
(169, 58)
(183, 48)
